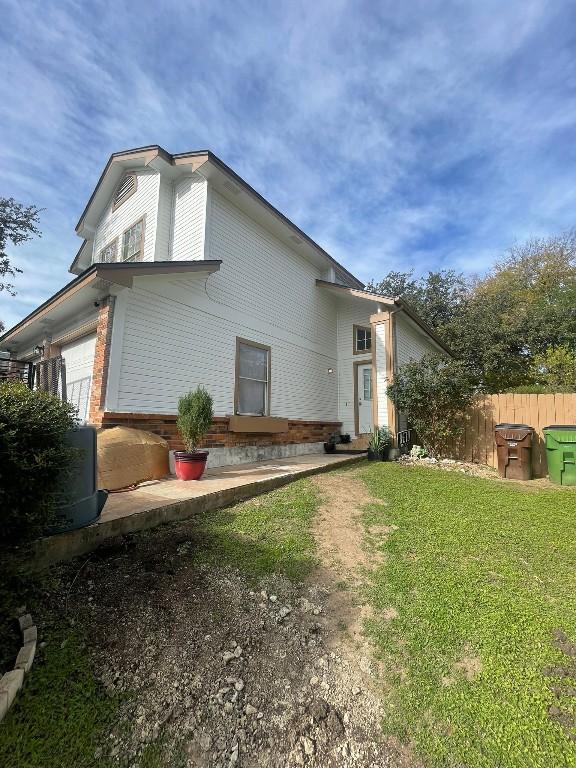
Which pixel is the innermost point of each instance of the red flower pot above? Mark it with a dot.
(190, 466)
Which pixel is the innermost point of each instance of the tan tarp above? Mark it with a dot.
(128, 456)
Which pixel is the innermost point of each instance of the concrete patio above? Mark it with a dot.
(163, 501)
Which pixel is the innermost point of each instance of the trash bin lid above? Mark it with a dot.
(514, 426)
(561, 426)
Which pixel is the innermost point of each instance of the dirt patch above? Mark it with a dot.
(221, 672)
(337, 528)
(469, 666)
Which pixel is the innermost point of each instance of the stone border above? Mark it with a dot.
(12, 681)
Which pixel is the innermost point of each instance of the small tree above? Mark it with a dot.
(33, 456)
(195, 415)
(434, 393)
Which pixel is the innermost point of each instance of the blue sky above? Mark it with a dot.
(420, 134)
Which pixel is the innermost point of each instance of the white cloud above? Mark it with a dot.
(419, 135)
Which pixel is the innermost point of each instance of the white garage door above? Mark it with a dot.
(79, 359)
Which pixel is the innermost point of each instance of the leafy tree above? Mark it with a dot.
(526, 305)
(18, 223)
(500, 325)
(438, 297)
(556, 368)
(434, 393)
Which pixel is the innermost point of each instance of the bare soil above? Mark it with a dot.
(223, 672)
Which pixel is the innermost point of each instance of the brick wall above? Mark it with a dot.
(101, 361)
(219, 435)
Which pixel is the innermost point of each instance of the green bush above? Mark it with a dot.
(33, 456)
(194, 417)
(434, 394)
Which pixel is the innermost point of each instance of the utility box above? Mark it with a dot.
(560, 442)
(514, 449)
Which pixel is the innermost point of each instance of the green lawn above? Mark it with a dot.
(482, 575)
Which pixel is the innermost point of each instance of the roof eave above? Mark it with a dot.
(120, 273)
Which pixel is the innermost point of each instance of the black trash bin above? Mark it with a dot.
(514, 449)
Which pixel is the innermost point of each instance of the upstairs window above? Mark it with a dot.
(125, 189)
(362, 339)
(133, 241)
(109, 253)
(252, 379)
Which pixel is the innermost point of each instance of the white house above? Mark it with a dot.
(187, 276)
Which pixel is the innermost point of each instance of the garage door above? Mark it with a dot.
(79, 359)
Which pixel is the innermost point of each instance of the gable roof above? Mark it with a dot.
(208, 163)
(394, 301)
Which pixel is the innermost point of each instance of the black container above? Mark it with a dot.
(82, 502)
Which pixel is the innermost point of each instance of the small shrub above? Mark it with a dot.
(434, 393)
(195, 415)
(33, 456)
(380, 439)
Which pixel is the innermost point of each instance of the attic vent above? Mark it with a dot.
(126, 188)
(296, 239)
(340, 277)
(231, 187)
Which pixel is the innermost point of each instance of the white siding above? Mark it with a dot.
(142, 204)
(189, 219)
(350, 312)
(411, 342)
(266, 278)
(178, 332)
(164, 220)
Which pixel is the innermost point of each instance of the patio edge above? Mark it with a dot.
(67, 546)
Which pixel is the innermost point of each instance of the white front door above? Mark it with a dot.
(364, 404)
(79, 360)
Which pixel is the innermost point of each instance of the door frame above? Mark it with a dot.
(355, 365)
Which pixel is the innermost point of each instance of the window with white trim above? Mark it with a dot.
(252, 379)
(109, 253)
(132, 242)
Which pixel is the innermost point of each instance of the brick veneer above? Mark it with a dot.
(219, 436)
(101, 361)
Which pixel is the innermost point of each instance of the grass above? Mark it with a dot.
(63, 713)
(268, 534)
(58, 717)
(482, 574)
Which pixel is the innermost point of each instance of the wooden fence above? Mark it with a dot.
(538, 411)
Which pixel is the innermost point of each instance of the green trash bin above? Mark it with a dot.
(560, 440)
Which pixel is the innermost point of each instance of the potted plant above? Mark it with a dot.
(344, 438)
(194, 419)
(330, 444)
(386, 443)
(379, 444)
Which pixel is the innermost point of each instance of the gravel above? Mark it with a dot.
(213, 670)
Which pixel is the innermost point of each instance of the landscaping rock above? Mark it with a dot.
(10, 684)
(175, 655)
